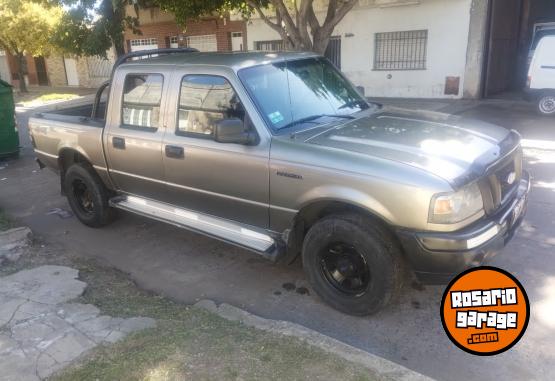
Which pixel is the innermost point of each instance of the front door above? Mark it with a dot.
(237, 41)
(42, 76)
(71, 72)
(133, 138)
(224, 180)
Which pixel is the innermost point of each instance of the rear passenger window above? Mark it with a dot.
(142, 94)
(203, 101)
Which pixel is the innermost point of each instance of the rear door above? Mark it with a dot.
(134, 131)
(229, 181)
(543, 65)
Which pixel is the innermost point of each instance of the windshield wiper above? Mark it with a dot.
(356, 102)
(312, 118)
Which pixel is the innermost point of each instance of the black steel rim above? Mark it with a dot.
(345, 269)
(83, 196)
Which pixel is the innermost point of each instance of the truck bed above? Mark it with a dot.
(71, 128)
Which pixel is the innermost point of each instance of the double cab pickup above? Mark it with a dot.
(280, 154)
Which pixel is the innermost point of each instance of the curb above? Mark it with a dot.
(385, 369)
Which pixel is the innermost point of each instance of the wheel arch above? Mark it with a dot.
(314, 211)
(68, 156)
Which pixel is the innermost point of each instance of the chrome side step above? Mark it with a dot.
(218, 228)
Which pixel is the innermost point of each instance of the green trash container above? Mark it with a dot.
(9, 138)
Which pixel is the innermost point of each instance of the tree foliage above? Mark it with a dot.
(25, 28)
(91, 27)
(296, 21)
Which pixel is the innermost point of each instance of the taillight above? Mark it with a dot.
(529, 81)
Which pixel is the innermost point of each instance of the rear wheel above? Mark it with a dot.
(87, 196)
(352, 264)
(546, 104)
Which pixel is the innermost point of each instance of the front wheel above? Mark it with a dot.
(546, 104)
(87, 196)
(352, 263)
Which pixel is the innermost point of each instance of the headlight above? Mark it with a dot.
(450, 208)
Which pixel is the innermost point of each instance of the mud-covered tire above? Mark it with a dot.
(87, 196)
(377, 250)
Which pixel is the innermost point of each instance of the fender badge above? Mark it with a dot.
(290, 175)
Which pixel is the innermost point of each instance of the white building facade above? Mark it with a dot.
(396, 48)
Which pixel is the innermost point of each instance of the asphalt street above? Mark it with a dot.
(187, 267)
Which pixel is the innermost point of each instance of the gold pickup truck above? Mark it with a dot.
(280, 154)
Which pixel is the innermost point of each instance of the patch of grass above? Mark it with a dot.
(56, 97)
(5, 222)
(191, 343)
(187, 343)
(30, 99)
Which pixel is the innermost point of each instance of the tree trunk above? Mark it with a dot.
(117, 33)
(119, 47)
(321, 41)
(20, 73)
(294, 28)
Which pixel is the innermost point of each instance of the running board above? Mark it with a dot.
(225, 230)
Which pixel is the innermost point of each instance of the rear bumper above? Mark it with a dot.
(437, 257)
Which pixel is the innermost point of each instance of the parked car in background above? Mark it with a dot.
(278, 153)
(541, 76)
(541, 30)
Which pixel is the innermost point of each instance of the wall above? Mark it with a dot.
(160, 25)
(475, 56)
(56, 71)
(57, 75)
(447, 23)
(5, 72)
(31, 70)
(86, 76)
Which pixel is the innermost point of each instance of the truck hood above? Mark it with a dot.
(450, 147)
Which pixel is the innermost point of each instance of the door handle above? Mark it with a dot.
(175, 152)
(118, 143)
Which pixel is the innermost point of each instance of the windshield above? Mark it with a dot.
(288, 93)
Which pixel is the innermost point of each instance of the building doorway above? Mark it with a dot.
(42, 75)
(72, 77)
(237, 41)
(514, 26)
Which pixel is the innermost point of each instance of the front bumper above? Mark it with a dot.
(437, 257)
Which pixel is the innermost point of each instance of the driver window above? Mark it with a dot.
(203, 101)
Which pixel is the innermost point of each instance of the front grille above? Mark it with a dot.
(502, 177)
(498, 189)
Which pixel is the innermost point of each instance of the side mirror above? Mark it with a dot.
(361, 90)
(233, 131)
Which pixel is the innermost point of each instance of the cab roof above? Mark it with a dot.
(235, 60)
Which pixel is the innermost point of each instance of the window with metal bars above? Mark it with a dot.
(144, 41)
(270, 46)
(401, 50)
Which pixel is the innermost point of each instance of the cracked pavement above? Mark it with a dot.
(41, 331)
